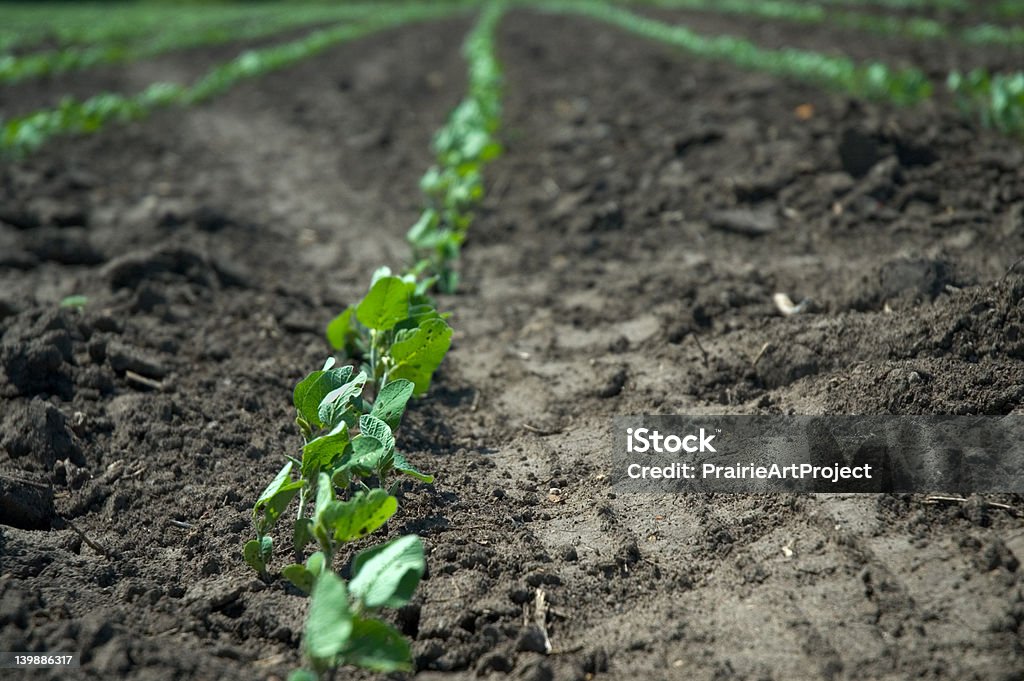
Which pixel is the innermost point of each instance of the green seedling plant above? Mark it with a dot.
(349, 446)
(395, 331)
(349, 465)
(342, 626)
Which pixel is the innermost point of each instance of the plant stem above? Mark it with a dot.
(373, 355)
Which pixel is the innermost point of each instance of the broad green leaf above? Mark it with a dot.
(276, 497)
(315, 563)
(419, 313)
(377, 646)
(359, 516)
(303, 675)
(320, 453)
(253, 554)
(385, 305)
(312, 390)
(336, 405)
(419, 352)
(387, 575)
(373, 427)
(402, 466)
(329, 623)
(324, 493)
(299, 576)
(421, 234)
(391, 401)
(367, 454)
(341, 331)
(342, 476)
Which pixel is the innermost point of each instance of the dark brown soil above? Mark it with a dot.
(647, 210)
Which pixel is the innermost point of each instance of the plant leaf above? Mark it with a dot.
(341, 331)
(253, 554)
(391, 401)
(367, 454)
(377, 646)
(359, 516)
(302, 533)
(299, 576)
(402, 466)
(336, 405)
(387, 575)
(315, 563)
(320, 453)
(329, 623)
(373, 427)
(418, 353)
(324, 494)
(276, 497)
(421, 234)
(380, 273)
(311, 390)
(385, 305)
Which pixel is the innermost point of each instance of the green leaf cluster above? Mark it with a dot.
(348, 441)
(396, 330)
(997, 99)
(342, 628)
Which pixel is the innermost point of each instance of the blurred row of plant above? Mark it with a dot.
(88, 38)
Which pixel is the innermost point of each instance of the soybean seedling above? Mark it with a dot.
(395, 330)
(347, 441)
(342, 627)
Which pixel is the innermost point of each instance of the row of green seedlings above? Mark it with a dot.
(27, 133)
(26, 27)
(349, 464)
(869, 80)
(996, 99)
(807, 13)
(954, 5)
(997, 8)
(453, 188)
(187, 34)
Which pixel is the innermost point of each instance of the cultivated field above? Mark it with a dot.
(587, 210)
